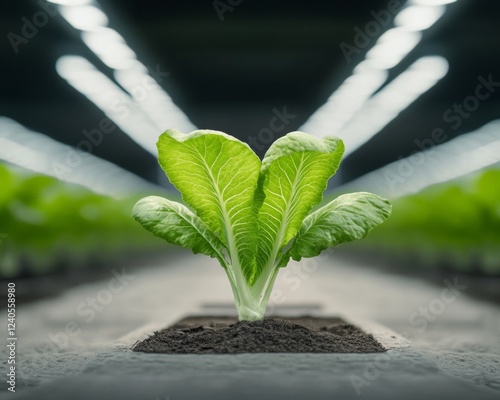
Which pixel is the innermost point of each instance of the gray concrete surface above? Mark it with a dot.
(442, 343)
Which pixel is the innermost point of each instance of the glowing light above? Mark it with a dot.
(432, 2)
(40, 153)
(394, 98)
(392, 47)
(346, 101)
(463, 155)
(110, 47)
(85, 17)
(389, 50)
(106, 95)
(152, 99)
(418, 18)
(70, 2)
(146, 102)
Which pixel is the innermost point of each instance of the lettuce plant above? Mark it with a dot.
(253, 215)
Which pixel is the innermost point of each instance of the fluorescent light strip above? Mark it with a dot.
(346, 101)
(389, 50)
(431, 2)
(37, 152)
(71, 2)
(86, 17)
(463, 155)
(386, 105)
(110, 98)
(110, 47)
(418, 17)
(149, 96)
(132, 75)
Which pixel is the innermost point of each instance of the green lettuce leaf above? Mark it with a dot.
(217, 175)
(176, 224)
(349, 217)
(295, 172)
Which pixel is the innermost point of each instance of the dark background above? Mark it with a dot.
(229, 75)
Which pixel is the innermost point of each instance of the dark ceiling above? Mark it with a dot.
(229, 75)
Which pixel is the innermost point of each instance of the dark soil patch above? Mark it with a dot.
(225, 335)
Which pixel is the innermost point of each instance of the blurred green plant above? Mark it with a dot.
(46, 224)
(453, 225)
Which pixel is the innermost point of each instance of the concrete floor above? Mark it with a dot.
(76, 345)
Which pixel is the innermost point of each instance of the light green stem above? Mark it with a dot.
(251, 301)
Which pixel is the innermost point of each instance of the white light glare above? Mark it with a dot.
(461, 156)
(432, 2)
(346, 101)
(110, 47)
(383, 107)
(85, 17)
(153, 100)
(70, 2)
(389, 50)
(37, 152)
(392, 47)
(145, 93)
(106, 95)
(142, 117)
(418, 18)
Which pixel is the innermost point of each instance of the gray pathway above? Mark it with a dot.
(75, 346)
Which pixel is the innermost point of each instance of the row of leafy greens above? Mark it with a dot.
(453, 225)
(46, 224)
